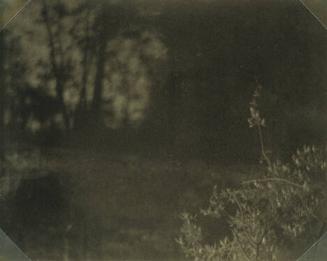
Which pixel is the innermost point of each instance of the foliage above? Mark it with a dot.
(131, 72)
(63, 65)
(264, 214)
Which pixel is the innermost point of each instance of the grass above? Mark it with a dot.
(126, 207)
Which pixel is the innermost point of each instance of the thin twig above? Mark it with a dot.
(274, 179)
(241, 246)
(15, 15)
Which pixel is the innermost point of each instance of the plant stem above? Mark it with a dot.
(274, 179)
(262, 146)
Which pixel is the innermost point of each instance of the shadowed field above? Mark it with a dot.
(123, 207)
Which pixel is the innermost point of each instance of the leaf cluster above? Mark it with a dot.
(276, 209)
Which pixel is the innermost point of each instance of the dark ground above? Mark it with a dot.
(115, 208)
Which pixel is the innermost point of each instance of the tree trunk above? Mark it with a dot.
(85, 64)
(56, 61)
(100, 68)
(87, 54)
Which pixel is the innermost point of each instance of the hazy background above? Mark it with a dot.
(128, 112)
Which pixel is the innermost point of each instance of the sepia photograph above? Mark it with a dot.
(163, 130)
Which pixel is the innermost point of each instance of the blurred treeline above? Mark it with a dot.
(164, 78)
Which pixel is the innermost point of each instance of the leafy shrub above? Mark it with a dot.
(265, 214)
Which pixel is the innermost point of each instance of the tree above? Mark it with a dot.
(132, 74)
(59, 50)
(77, 53)
(55, 40)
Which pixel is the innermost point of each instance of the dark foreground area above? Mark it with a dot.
(92, 206)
